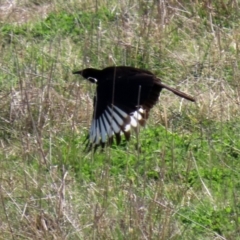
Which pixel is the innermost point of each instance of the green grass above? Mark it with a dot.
(179, 179)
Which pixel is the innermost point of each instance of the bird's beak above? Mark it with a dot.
(77, 72)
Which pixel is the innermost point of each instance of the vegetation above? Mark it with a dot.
(179, 178)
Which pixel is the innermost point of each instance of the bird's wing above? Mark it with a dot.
(120, 105)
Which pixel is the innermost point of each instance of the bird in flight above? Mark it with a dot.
(123, 99)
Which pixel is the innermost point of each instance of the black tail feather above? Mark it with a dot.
(177, 92)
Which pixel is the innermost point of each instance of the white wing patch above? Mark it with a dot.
(137, 115)
(114, 121)
(103, 130)
(116, 116)
(122, 113)
(109, 131)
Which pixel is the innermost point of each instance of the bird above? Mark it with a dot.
(124, 96)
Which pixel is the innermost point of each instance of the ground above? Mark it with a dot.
(178, 179)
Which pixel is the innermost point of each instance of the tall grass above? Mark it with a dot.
(183, 180)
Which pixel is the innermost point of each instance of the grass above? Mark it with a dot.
(182, 182)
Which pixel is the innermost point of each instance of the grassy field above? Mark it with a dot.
(182, 182)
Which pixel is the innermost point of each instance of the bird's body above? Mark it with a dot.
(124, 96)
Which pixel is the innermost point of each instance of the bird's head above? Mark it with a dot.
(90, 74)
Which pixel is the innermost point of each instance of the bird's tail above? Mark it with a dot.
(177, 92)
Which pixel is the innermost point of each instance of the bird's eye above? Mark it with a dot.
(93, 80)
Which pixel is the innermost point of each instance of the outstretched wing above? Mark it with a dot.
(120, 105)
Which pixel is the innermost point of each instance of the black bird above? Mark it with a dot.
(123, 99)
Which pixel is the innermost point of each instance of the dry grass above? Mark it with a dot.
(20, 12)
(43, 108)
